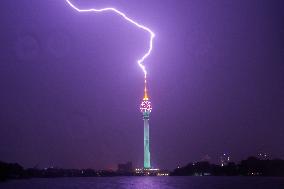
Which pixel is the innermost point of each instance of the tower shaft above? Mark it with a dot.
(146, 109)
(147, 163)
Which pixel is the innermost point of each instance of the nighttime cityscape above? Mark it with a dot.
(147, 94)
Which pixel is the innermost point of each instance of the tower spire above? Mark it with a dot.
(145, 90)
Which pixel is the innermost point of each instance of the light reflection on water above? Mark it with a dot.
(148, 183)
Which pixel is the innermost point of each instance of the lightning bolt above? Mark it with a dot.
(141, 60)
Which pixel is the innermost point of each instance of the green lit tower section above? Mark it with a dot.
(146, 109)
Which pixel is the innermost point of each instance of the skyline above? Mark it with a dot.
(70, 86)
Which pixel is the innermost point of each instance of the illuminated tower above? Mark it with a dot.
(146, 109)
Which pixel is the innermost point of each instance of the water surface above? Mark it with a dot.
(148, 183)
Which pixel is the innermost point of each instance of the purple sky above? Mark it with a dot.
(70, 89)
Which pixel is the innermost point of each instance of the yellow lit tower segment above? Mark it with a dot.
(146, 109)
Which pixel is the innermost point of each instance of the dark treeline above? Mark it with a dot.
(15, 171)
(10, 170)
(249, 167)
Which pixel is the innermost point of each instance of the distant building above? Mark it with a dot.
(262, 156)
(225, 159)
(125, 168)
